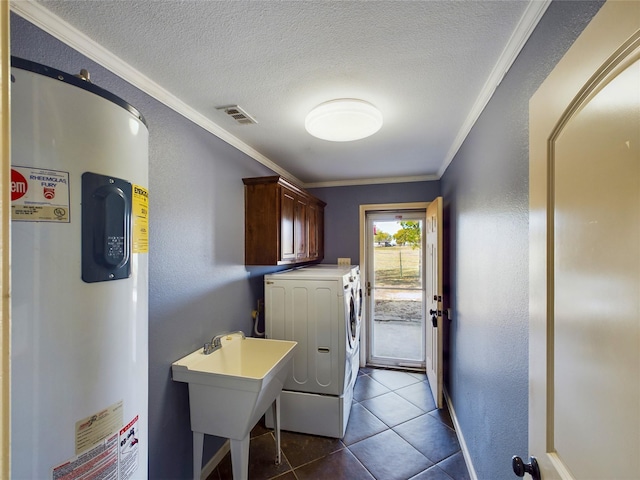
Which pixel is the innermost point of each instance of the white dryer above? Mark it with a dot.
(355, 303)
(316, 306)
(357, 300)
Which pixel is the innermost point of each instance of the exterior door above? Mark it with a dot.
(584, 350)
(434, 325)
(395, 289)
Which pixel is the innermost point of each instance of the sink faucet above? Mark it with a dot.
(216, 342)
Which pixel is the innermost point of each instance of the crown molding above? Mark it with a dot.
(528, 22)
(371, 181)
(66, 33)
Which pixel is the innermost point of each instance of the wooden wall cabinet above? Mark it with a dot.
(284, 225)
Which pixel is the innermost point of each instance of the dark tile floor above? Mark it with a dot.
(394, 433)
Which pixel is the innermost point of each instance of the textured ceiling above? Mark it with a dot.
(427, 65)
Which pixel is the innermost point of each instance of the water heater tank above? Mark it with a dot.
(79, 273)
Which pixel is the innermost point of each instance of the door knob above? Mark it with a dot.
(433, 312)
(520, 468)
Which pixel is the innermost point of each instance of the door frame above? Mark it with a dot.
(364, 330)
(5, 252)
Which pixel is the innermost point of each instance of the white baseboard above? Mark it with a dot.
(463, 444)
(215, 460)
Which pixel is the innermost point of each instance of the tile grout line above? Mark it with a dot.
(344, 447)
(434, 464)
(433, 414)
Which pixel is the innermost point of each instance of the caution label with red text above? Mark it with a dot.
(100, 461)
(129, 446)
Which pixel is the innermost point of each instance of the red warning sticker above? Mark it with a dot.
(19, 185)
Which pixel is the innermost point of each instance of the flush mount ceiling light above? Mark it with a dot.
(343, 120)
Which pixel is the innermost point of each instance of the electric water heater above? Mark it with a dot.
(79, 273)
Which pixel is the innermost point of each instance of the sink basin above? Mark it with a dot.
(231, 388)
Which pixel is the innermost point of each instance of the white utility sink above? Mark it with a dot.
(230, 389)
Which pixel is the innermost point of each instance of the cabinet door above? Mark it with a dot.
(319, 231)
(288, 207)
(314, 251)
(283, 223)
(301, 229)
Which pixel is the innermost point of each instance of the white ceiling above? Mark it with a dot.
(429, 66)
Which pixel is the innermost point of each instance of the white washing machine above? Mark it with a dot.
(316, 306)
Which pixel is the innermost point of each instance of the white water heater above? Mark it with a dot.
(79, 273)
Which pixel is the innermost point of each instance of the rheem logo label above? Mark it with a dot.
(39, 195)
(18, 185)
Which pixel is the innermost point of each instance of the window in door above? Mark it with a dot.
(395, 288)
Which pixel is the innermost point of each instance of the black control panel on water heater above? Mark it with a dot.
(106, 228)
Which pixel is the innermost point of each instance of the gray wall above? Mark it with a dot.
(342, 213)
(485, 191)
(198, 283)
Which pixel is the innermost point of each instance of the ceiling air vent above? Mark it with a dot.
(238, 114)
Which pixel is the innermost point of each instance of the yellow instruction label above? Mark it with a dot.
(140, 219)
(97, 427)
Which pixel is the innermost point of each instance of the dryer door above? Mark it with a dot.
(353, 332)
(357, 296)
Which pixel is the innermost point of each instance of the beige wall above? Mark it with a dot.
(4, 234)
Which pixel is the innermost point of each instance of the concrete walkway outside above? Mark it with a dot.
(398, 339)
(398, 324)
